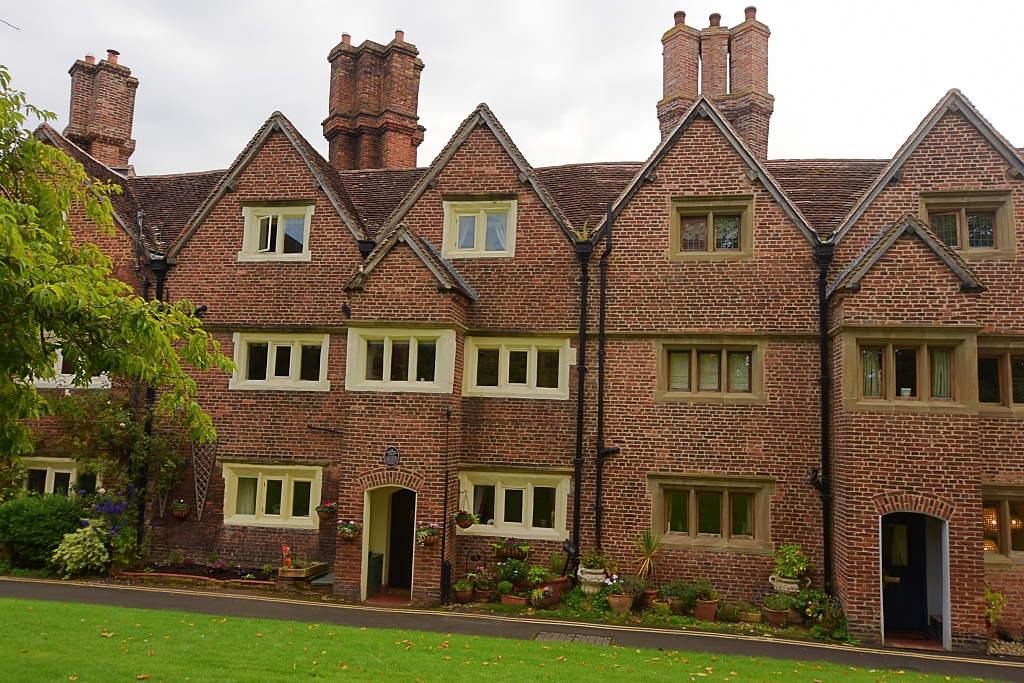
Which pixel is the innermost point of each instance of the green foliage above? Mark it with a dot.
(728, 612)
(648, 544)
(512, 570)
(537, 575)
(633, 585)
(778, 602)
(791, 563)
(703, 590)
(464, 584)
(82, 552)
(558, 560)
(595, 559)
(35, 525)
(505, 588)
(994, 605)
(812, 602)
(57, 289)
(746, 607)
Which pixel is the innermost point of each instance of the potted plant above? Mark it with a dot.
(510, 548)
(327, 509)
(635, 588)
(541, 597)
(647, 544)
(483, 584)
(427, 534)
(509, 594)
(513, 571)
(538, 576)
(811, 602)
(705, 600)
(749, 612)
(465, 518)
(618, 599)
(776, 608)
(179, 508)
(349, 531)
(594, 566)
(463, 590)
(673, 593)
(791, 570)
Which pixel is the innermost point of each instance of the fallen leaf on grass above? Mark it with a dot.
(142, 677)
(150, 654)
(107, 634)
(259, 635)
(343, 666)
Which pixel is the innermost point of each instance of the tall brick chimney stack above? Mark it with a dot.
(102, 109)
(372, 114)
(733, 73)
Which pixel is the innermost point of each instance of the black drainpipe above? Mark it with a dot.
(583, 251)
(821, 478)
(159, 268)
(446, 566)
(602, 452)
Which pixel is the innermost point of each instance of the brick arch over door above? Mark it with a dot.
(903, 501)
(389, 477)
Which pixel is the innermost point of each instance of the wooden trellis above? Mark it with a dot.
(204, 455)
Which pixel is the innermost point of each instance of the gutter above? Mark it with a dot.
(821, 478)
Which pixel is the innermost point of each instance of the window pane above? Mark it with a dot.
(945, 227)
(245, 498)
(941, 373)
(301, 491)
(547, 369)
(426, 352)
(727, 232)
(981, 232)
(268, 233)
(693, 233)
(274, 488)
(678, 507)
(86, 482)
(543, 507)
(293, 234)
(678, 370)
(36, 481)
(517, 361)
(871, 362)
(400, 361)
(739, 371)
(514, 505)
(282, 361)
(709, 366)
(257, 361)
(709, 513)
(496, 232)
(988, 380)
(742, 514)
(61, 483)
(66, 366)
(375, 360)
(467, 232)
(483, 503)
(309, 371)
(487, 368)
(1017, 526)
(1017, 368)
(990, 520)
(906, 373)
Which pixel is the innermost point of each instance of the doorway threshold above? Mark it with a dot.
(911, 640)
(390, 597)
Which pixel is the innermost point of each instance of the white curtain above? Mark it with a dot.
(942, 379)
(679, 370)
(467, 232)
(497, 224)
(245, 501)
(872, 361)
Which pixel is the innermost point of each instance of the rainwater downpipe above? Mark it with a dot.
(446, 566)
(602, 451)
(584, 249)
(822, 479)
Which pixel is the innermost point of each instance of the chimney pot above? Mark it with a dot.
(400, 36)
(680, 17)
(715, 19)
(89, 59)
(346, 39)
(750, 13)
(112, 56)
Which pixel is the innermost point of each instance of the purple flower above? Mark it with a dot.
(81, 492)
(85, 522)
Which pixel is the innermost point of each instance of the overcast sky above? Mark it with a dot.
(571, 80)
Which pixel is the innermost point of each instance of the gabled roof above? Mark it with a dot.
(325, 176)
(954, 101)
(481, 116)
(705, 108)
(825, 189)
(168, 201)
(584, 190)
(447, 277)
(849, 279)
(377, 192)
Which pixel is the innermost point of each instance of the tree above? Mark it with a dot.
(57, 290)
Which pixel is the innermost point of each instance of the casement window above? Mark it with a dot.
(411, 360)
(479, 228)
(281, 361)
(714, 512)
(276, 232)
(518, 367)
(976, 224)
(64, 376)
(718, 227)
(1002, 518)
(518, 504)
(710, 370)
(1001, 378)
(271, 495)
(907, 372)
(56, 475)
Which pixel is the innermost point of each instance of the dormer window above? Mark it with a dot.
(276, 233)
(977, 224)
(474, 229)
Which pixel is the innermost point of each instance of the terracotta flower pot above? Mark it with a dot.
(776, 617)
(705, 610)
(513, 600)
(648, 597)
(557, 587)
(750, 617)
(675, 605)
(542, 603)
(431, 540)
(464, 597)
(181, 513)
(620, 603)
(483, 596)
(465, 523)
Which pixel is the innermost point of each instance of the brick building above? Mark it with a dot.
(822, 352)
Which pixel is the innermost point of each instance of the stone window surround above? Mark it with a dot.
(253, 211)
(231, 470)
(241, 341)
(1005, 348)
(63, 380)
(999, 202)
(1003, 494)
(444, 359)
(696, 205)
(566, 358)
(762, 488)
(52, 465)
(755, 346)
(502, 477)
(455, 205)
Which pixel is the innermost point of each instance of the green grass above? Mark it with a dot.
(50, 641)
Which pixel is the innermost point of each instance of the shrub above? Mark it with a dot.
(34, 526)
(537, 575)
(81, 552)
(505, 588)
(463, 585)
(791, 563)
(633, 585)
(812, 602)
(512, 570)
(728, 612)
(558, 560)
(703, 590)
(778, 602)
(746, 607)
(994, 605)
(175, 558)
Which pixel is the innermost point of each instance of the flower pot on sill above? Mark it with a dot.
(513, 600)
(464, 597)
(620, 603)
(675, 605)
(705, 610)
(324, 514)
(483, 596)
(648, 597)
(431, 540)
(750, 617)
(464, 523)
(181, 513)
(776, 617)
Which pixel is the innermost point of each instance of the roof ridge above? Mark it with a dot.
(177, 175)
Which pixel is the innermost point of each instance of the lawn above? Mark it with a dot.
(50, 641)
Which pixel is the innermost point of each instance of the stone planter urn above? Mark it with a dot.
(788, 586)
(591, 581)
(750, 617)
(621, 603)
(705, 610)
(776, 617)
(483, 596)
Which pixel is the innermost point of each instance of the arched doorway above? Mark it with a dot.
(388, 544)
(915, 580)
